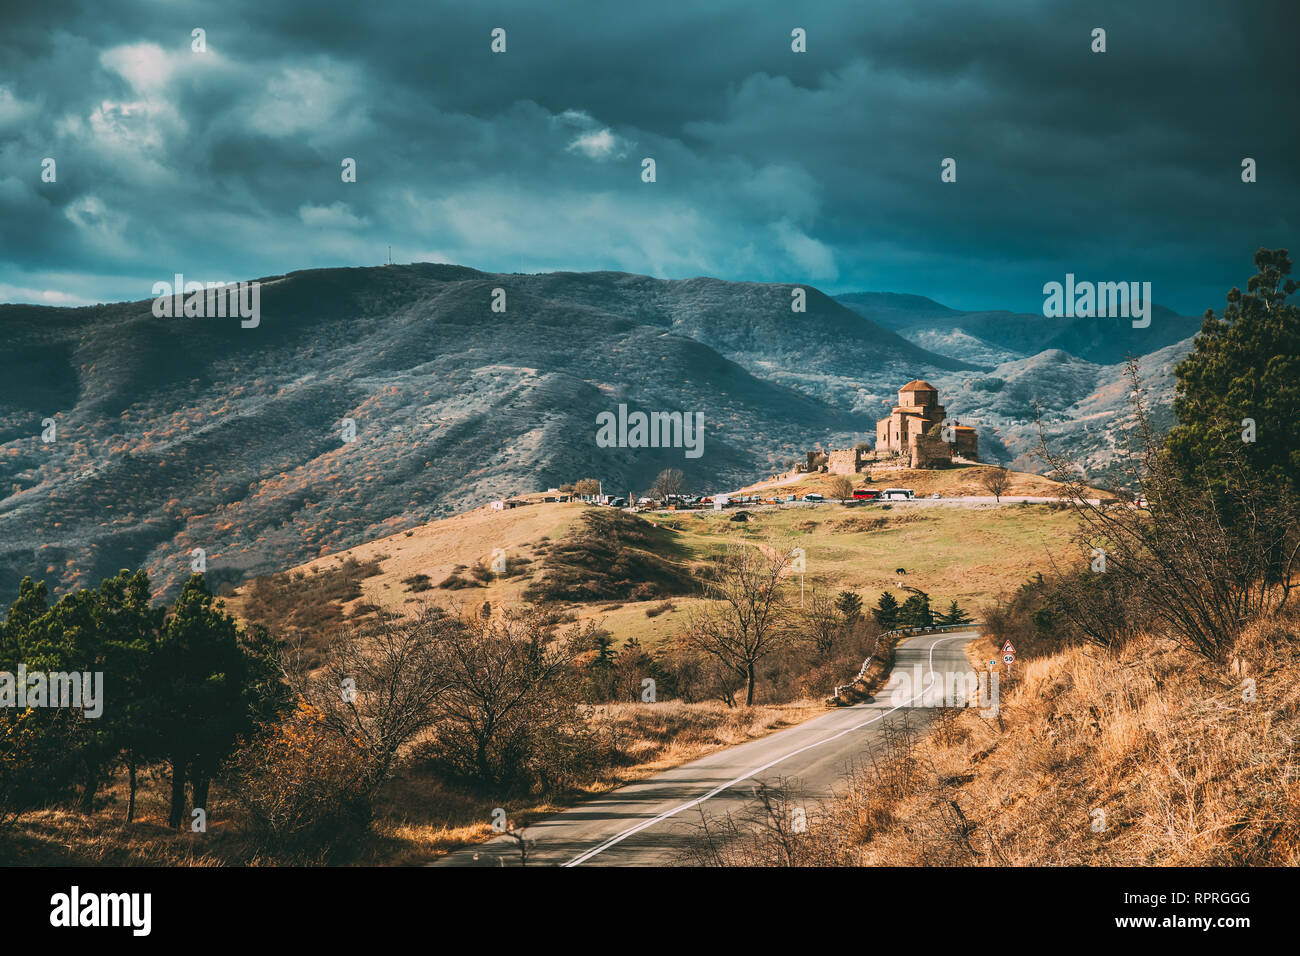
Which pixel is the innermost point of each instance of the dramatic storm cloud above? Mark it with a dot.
(819, 167)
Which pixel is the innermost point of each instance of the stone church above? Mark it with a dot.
(907, 429)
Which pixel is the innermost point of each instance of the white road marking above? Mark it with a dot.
(631, 831)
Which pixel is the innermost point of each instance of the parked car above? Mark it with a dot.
(813, 497)
(936, 496)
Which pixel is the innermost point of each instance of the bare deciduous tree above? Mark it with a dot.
(746, 619)
(996, 480)
(670, 481)
(378, 685)
(841, 487)
(822, 621)
(504, 688)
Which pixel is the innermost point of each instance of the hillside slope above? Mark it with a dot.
(968, 553)
(178, 434)
(1150, 757)
(1083, 407)
(174, 435)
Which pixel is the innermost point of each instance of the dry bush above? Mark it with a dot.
(454, 582)
(303, 791)
(505, 715)
(694, 676)
(378, 685)
(857, 525)
(613, 555)
(306, 606)
(778, 828)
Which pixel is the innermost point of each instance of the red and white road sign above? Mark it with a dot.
(1008, 648)
(1009, 658)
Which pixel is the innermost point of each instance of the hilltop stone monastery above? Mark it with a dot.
(917, 429)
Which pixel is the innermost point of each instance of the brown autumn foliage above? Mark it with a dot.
(1150, 755)
(302, 790)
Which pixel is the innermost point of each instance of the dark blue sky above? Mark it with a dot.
(820, 167)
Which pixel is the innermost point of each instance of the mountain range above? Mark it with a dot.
(175, 434)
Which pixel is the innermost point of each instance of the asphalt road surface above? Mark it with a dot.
(651, 823)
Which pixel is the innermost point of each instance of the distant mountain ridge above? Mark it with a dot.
(173, 435)
(1105, 341)
(176, 439)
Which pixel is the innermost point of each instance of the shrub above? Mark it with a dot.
(301, 790)
(37, 759)
(612, 556)
(505, 712)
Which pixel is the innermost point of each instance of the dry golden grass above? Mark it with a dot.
(438, 549)
(62, 837)
(970, 553)
(1159, 740)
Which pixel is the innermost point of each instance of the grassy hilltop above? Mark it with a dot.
(971, 553)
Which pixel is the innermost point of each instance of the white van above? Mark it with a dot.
(898, 494)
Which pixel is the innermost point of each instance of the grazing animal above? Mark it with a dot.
(900, 570)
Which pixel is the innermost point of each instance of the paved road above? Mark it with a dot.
(649, 823)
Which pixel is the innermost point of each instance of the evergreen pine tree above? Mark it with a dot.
(886, 611)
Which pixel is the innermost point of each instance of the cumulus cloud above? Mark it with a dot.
(147, 67)
(599, 145)
(13, 293)
(12, 109)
